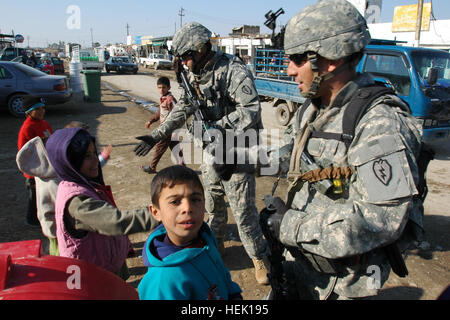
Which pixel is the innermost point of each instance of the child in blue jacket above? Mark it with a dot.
(181, 254)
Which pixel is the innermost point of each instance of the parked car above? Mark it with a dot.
(58, 64)
(29, 62)
(156, 60)
(9, 53)
(18, 80)
(90, 61)
(120, 64)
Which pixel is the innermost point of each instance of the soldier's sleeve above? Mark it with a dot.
(176, 118)
(242, 93)
(380, 198)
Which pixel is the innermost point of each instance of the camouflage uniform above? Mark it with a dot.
(368, 214)
(377, 204)
(237, 107)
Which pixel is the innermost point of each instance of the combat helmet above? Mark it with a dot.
(190, 37)
(333, 29)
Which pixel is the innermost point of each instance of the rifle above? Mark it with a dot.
(281, 288)
(193, 98)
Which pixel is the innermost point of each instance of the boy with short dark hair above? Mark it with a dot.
(166, 105)
(33, 126)
(181, 254)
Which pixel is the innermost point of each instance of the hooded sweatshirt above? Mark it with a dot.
(185, 273)
(32, 128)
(32, 159)
(89, 226)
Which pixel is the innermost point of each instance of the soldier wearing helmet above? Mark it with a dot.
(227, 89)
(341, 235)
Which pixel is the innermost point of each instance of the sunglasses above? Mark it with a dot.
(187, 55)
(298, 59)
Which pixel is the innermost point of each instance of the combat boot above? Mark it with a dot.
(261, 271)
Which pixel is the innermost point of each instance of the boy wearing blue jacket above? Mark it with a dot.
(181, 254)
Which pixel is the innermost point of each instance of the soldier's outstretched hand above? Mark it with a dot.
(145, 146)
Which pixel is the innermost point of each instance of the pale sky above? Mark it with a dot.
(48, 21)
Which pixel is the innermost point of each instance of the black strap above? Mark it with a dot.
(353, 113)
(358, 105)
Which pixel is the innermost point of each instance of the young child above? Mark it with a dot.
(89, 226)
(165, 107)
(32, 159)
(33, 126)
(103, 157)
(181, 255)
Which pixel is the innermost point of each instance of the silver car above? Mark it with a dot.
(18, 80)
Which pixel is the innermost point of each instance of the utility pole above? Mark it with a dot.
(128, 30)
(419, 21)
(92, 39)
(181, 14)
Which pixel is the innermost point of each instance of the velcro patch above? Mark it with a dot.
(247, 90)
(384, 178)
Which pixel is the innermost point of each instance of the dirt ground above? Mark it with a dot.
(117, 120)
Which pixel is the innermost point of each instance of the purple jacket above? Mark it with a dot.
(108, 252)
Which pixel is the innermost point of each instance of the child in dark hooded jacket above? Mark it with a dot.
(89, 226)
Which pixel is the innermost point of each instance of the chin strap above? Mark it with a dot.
(317, 79)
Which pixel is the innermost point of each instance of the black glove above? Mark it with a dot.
(145, 146)
(274, 221)
(223, 169)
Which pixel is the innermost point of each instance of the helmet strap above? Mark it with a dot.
(317, 79)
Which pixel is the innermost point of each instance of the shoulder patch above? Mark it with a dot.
(383, 171)
(246, 89)
(386, 178)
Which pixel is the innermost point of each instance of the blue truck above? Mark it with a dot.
(420, 76)
(272, 83)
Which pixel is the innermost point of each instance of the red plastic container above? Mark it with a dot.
(27, 274)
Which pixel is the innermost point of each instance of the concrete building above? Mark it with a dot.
(434, 33)
(244, 46)
(436, 37)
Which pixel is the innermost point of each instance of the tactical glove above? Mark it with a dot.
(274, 221)
(224, 168)
(145, 146)
(224, 171)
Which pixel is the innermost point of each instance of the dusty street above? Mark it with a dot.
(117, 120)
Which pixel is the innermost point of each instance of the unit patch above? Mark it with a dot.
(247, 90)
(383, 171)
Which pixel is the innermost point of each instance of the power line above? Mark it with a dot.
(181, 14)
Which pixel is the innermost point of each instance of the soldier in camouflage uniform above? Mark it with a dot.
(232, 103)
(339, 236)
